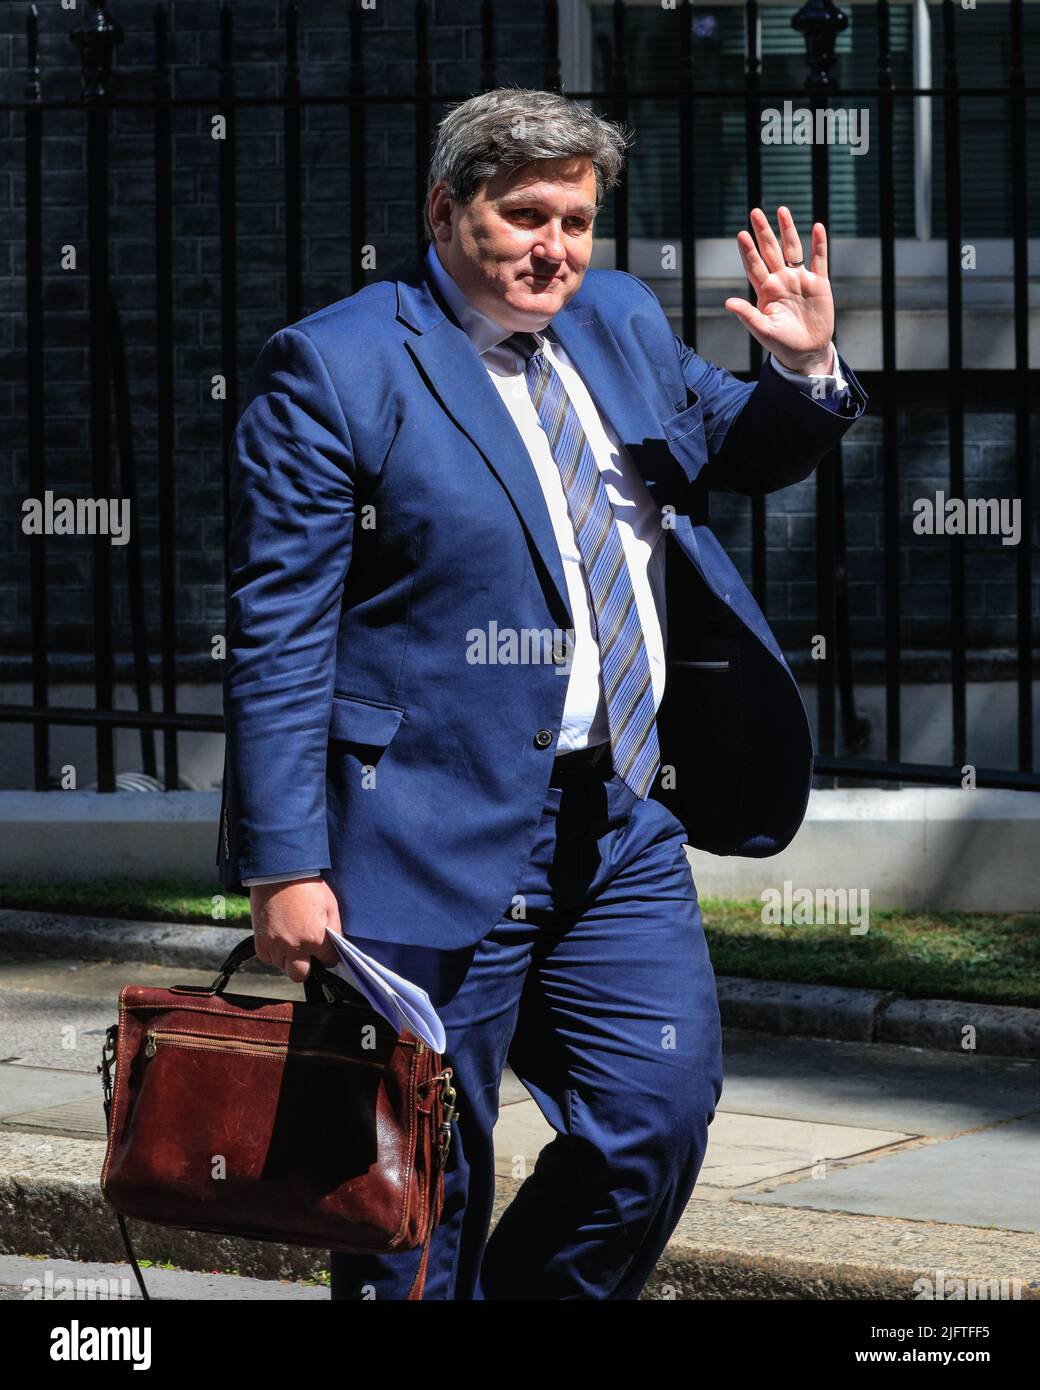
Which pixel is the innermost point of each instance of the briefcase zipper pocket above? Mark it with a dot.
(208, 1042)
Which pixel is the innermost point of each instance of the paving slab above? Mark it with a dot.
(747, 1149)
(60, 1031)
(103, 979)
(29, 1088)
(991, 1178)
(75, 1119)
(55, 1014)
(876, 1085)
(742, 1149)
(40, 1277)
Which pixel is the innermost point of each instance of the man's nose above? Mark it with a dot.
(550, 245)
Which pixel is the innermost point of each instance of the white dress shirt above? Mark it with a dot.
(637, 515)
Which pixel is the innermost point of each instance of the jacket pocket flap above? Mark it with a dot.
(359, 721)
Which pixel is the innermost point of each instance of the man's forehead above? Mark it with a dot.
(568, 181)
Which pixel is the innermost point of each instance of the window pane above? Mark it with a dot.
(720, 171)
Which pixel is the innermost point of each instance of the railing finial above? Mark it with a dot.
(819, 22)
(96, 39)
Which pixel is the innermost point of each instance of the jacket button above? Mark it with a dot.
(543, 738)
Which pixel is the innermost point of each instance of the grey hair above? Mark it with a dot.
(502, 130)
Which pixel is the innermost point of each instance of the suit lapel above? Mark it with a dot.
(458, 378)
(609, 379)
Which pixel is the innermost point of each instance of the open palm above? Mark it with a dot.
(794, 314)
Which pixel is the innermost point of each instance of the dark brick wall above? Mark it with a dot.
(390, 223)
(924, 568)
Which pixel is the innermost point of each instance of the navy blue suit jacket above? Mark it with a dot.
(383, 506)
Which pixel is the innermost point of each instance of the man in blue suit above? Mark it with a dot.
(489, 670)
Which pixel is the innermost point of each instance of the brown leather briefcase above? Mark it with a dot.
(312, 1124)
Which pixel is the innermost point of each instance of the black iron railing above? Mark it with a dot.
(819, 22)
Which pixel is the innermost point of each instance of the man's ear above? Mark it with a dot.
(440, 198)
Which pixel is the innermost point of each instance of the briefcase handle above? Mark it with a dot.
(320, 979)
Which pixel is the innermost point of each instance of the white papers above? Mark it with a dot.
(399, 1001)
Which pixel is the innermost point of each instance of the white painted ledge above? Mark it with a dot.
(938, 848)
(918, 847)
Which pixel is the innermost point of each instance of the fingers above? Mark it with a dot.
(298, 967)
(819, 249)
(754, 267)
(773, 255)
(768, 246)
(298, 970)
(789, 238)
(324, 949)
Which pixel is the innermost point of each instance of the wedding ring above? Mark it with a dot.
(794, 264)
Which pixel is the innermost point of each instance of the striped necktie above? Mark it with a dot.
(624, 664)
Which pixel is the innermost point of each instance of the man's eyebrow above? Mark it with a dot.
(518, 200)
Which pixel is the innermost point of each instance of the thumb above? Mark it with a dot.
(754, 321)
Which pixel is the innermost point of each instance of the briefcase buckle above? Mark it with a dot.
(450, 1110)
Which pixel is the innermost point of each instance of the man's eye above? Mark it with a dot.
(574, 224)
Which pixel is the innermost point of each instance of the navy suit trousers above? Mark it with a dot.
(598, 990)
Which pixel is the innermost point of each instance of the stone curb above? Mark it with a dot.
(107, 938)
(766, 1006)
(878, 1016)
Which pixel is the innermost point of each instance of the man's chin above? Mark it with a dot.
(537, 303)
